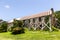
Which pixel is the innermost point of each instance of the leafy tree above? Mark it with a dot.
(3, 26)
(17, 27)
(18, 23)
(57, 16)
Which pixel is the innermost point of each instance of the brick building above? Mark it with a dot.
(38, 20)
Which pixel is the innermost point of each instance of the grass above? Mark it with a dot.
(31, 35)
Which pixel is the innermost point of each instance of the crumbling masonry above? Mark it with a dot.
(38, 20)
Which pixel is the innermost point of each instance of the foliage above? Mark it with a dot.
(18, 23)
(57, 16)
(17, 30)
(46, 19)
(3, 26)
(17, 27)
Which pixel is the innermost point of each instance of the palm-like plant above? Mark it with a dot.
(17, 27)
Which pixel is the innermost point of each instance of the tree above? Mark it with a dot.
(17, 27)
(3, 26)
(57, 16)
(18, 23)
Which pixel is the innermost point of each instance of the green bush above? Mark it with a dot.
(17, 27)
(3, 26)
(55, 29)
(18, 30)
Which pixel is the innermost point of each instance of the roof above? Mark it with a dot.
(13, 19)
(34, 16)
(37, 15)
(10, 21)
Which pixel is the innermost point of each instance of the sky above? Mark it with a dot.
(10, 9)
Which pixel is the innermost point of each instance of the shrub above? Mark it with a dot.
(55, 29)
(17, 30)
(3, 26)
(17, 27)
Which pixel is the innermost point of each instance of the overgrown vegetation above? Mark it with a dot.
(57, 16)
(17, 27)
(29, 35)
(3, 26)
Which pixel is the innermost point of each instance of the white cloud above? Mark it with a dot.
(7, 6)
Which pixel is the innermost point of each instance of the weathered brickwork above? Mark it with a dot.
(38, 20)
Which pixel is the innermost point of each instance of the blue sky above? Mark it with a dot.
(10, 9)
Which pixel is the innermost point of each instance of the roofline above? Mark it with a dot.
(41, 14)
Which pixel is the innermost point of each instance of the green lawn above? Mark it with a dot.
(31, 35)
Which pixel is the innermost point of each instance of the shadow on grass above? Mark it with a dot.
(17, 32)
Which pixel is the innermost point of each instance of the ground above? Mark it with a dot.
(31, 35)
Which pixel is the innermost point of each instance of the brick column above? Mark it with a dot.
(42, 21)
(31, 24)
(36, 23)
(50, 22)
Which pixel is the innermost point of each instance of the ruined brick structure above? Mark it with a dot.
(38, 20)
